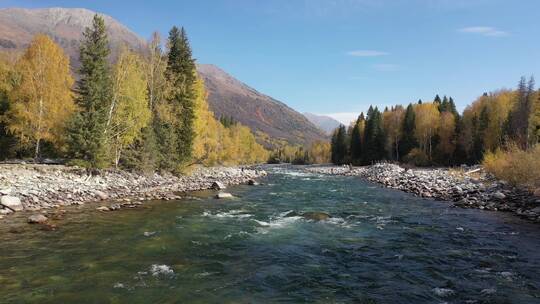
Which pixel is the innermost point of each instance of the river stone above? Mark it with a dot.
(6, 191)
(536, 210)
(37, 219)
(12, 202)
(499, 195)
(4, 211)
(218, 186)
(252, 182)
(316, 216)
(103, 208)
(101, 195)
(222, 195)
(537, 192)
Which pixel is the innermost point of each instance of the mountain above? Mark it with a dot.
(64, 25)
(325, 123)
(230, 97)
(271, 120)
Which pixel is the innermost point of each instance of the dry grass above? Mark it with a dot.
(518, 167)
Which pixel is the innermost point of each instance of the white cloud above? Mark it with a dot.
(344, 117)
(386, 67)
(366, 53)
(484, 31)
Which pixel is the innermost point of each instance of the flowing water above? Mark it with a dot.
(379, 246)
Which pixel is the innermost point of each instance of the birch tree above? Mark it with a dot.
(41, 99)
(129, 111)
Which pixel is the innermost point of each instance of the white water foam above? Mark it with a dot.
(239, 234)
(240, 214)
(443, 292)
(158, 270)
(277, 223)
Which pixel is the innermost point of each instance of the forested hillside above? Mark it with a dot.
(275, 123)
(147, 109)
(435, 133)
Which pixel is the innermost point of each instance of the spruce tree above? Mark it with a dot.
(356, 140)
(444, 106)
(375, 139)
(86, 130)
(339, 145)
(408, 140)
(181, 75)
(452, 107)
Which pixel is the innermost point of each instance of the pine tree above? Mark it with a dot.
(357, 140)
(375, 139)
(452, 107)
(339, 145)
(87, 128)
(408, 140)
(181, 75)
(444, 107)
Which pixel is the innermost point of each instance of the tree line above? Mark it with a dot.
(435, 133)
(148, 110)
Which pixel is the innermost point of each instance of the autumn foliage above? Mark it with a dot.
(147, 110)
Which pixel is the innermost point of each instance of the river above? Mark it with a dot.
(379, 246)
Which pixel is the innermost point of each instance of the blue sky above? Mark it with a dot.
(338, 56)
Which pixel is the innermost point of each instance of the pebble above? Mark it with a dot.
(37, 219)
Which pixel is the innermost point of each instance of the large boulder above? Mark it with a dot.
(316, 216)
(11, 202)
(37, 219)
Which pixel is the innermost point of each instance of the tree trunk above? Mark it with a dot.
(38, 135)
(36, 152)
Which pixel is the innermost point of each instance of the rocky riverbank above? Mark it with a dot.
(472, 189)
(36, 187)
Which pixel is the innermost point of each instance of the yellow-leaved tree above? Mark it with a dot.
(320, 152)
(41, 99)
(129, 112)
(392, 123)
(208, 131)
(216, 144)
(427, 124)
(447, 130)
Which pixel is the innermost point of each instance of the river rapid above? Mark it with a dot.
(379, 246)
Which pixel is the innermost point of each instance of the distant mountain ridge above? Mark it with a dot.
(227, 95)
(64, 25)
(325, 123)
(230, 97)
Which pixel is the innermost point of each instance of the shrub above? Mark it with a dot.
(516, 166)
(417, 157)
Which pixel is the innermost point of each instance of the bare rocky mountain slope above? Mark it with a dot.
(230, 97)
(227, 96)
(64, 25)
